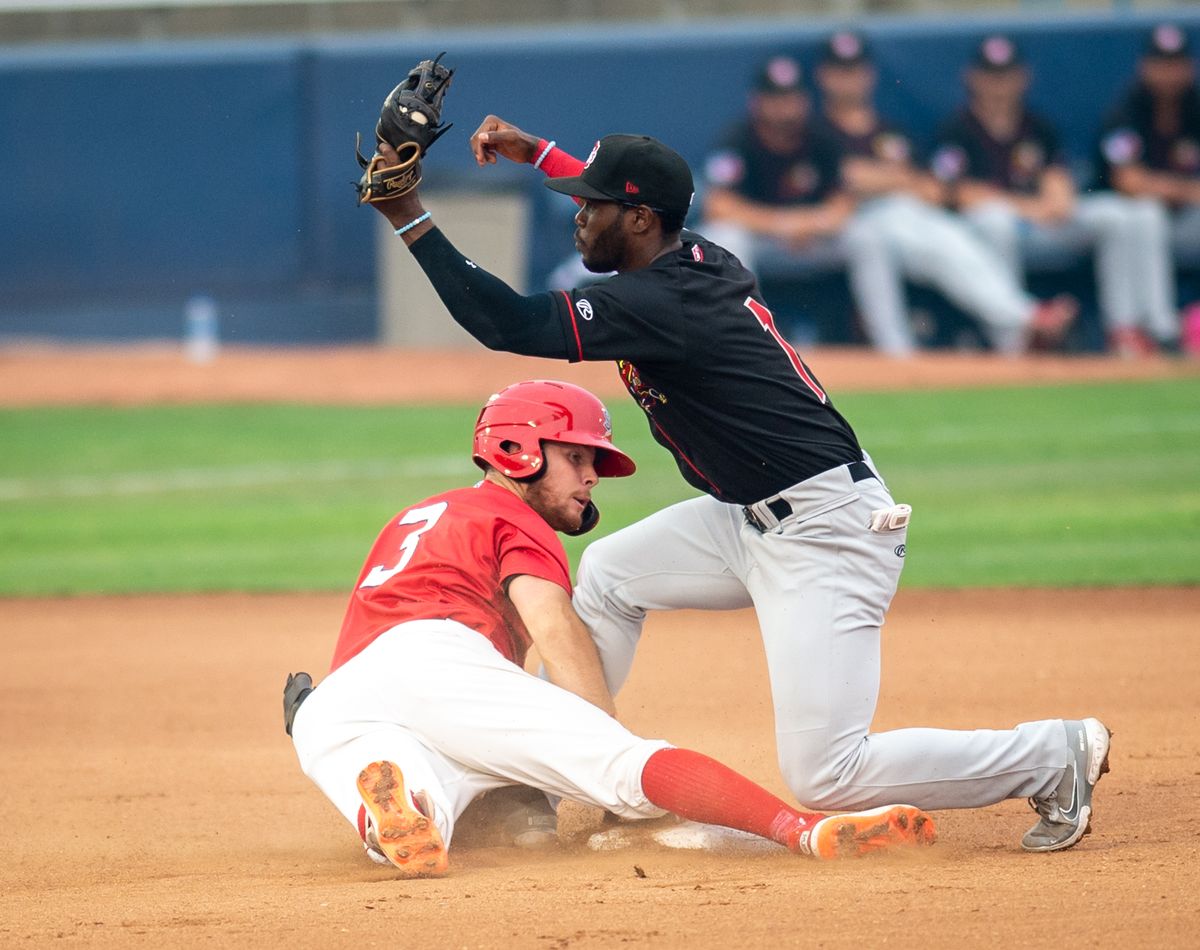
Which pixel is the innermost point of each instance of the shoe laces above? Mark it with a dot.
(1051, 806)
(1046, 807)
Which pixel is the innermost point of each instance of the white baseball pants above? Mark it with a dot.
(459, 719)
(820, 584)
(1131, 239)
(891, 238)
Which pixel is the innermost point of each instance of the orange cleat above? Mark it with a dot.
(858, 833)
(402, 827)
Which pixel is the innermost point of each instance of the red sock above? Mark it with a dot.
(698, 788)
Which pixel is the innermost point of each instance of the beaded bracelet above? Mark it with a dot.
(412, 224)
(546, 151)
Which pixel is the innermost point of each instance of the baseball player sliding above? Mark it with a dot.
(795, 518)
(428, 705)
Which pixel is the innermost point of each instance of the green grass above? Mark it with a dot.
(1047, 486)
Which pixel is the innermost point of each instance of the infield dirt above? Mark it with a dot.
(151, 798)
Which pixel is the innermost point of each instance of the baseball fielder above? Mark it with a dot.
(427, 704)
(794, 518)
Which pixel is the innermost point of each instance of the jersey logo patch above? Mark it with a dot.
(697, 252)
(949, 162)
(725, 168)
(802, 179)
(647, 396)
(1122, 146)
(584, 306)
(1185, 156)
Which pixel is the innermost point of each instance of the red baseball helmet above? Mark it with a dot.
(515, 421)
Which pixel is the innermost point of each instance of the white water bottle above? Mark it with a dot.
(200, 329)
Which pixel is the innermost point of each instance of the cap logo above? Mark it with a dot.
(1168, 38)
(606, 421)
(783, 72)
(592, 157)
(631, 188)
(846, 45)
(998, 50)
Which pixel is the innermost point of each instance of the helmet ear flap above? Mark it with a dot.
(535, 458)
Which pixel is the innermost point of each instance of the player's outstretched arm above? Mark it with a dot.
(498, 137)
(567, 651)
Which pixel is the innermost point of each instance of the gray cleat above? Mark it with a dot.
(1065, 816)
(532, 824)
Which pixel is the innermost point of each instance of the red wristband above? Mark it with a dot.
(555, 162)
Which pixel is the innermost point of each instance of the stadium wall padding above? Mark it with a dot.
(135, 175)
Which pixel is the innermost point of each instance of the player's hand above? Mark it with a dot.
(399, 211)
(497, 137)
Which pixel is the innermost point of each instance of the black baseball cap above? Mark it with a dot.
(1167, 41)
(845, 48)
(779, 74)
(997, 53)
(632, 169)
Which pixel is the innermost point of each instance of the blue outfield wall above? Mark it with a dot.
(133, 176)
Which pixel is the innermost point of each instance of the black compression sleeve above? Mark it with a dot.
(486, 307)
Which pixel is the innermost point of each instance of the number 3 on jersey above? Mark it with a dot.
(765, 317)
(425, 518)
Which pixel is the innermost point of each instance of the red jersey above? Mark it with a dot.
(449, 557)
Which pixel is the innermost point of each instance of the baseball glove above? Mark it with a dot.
(410, 122)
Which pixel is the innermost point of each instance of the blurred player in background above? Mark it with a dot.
(1150, 149)
(896, 205)
(773, 194)
(427, 704)
(1003, 167)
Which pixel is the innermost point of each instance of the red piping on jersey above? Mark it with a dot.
(574, 325)
(691, 464)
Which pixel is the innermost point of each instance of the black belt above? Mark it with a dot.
(781, 508)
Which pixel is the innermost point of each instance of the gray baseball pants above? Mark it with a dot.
(1131, 241)
(820, 583)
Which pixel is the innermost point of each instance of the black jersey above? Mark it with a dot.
(884, 143)
(967, 150)
(807, 175)
(1130, 138)
(697, 348)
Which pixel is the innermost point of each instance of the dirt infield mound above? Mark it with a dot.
(149, 374)
(152, 799)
